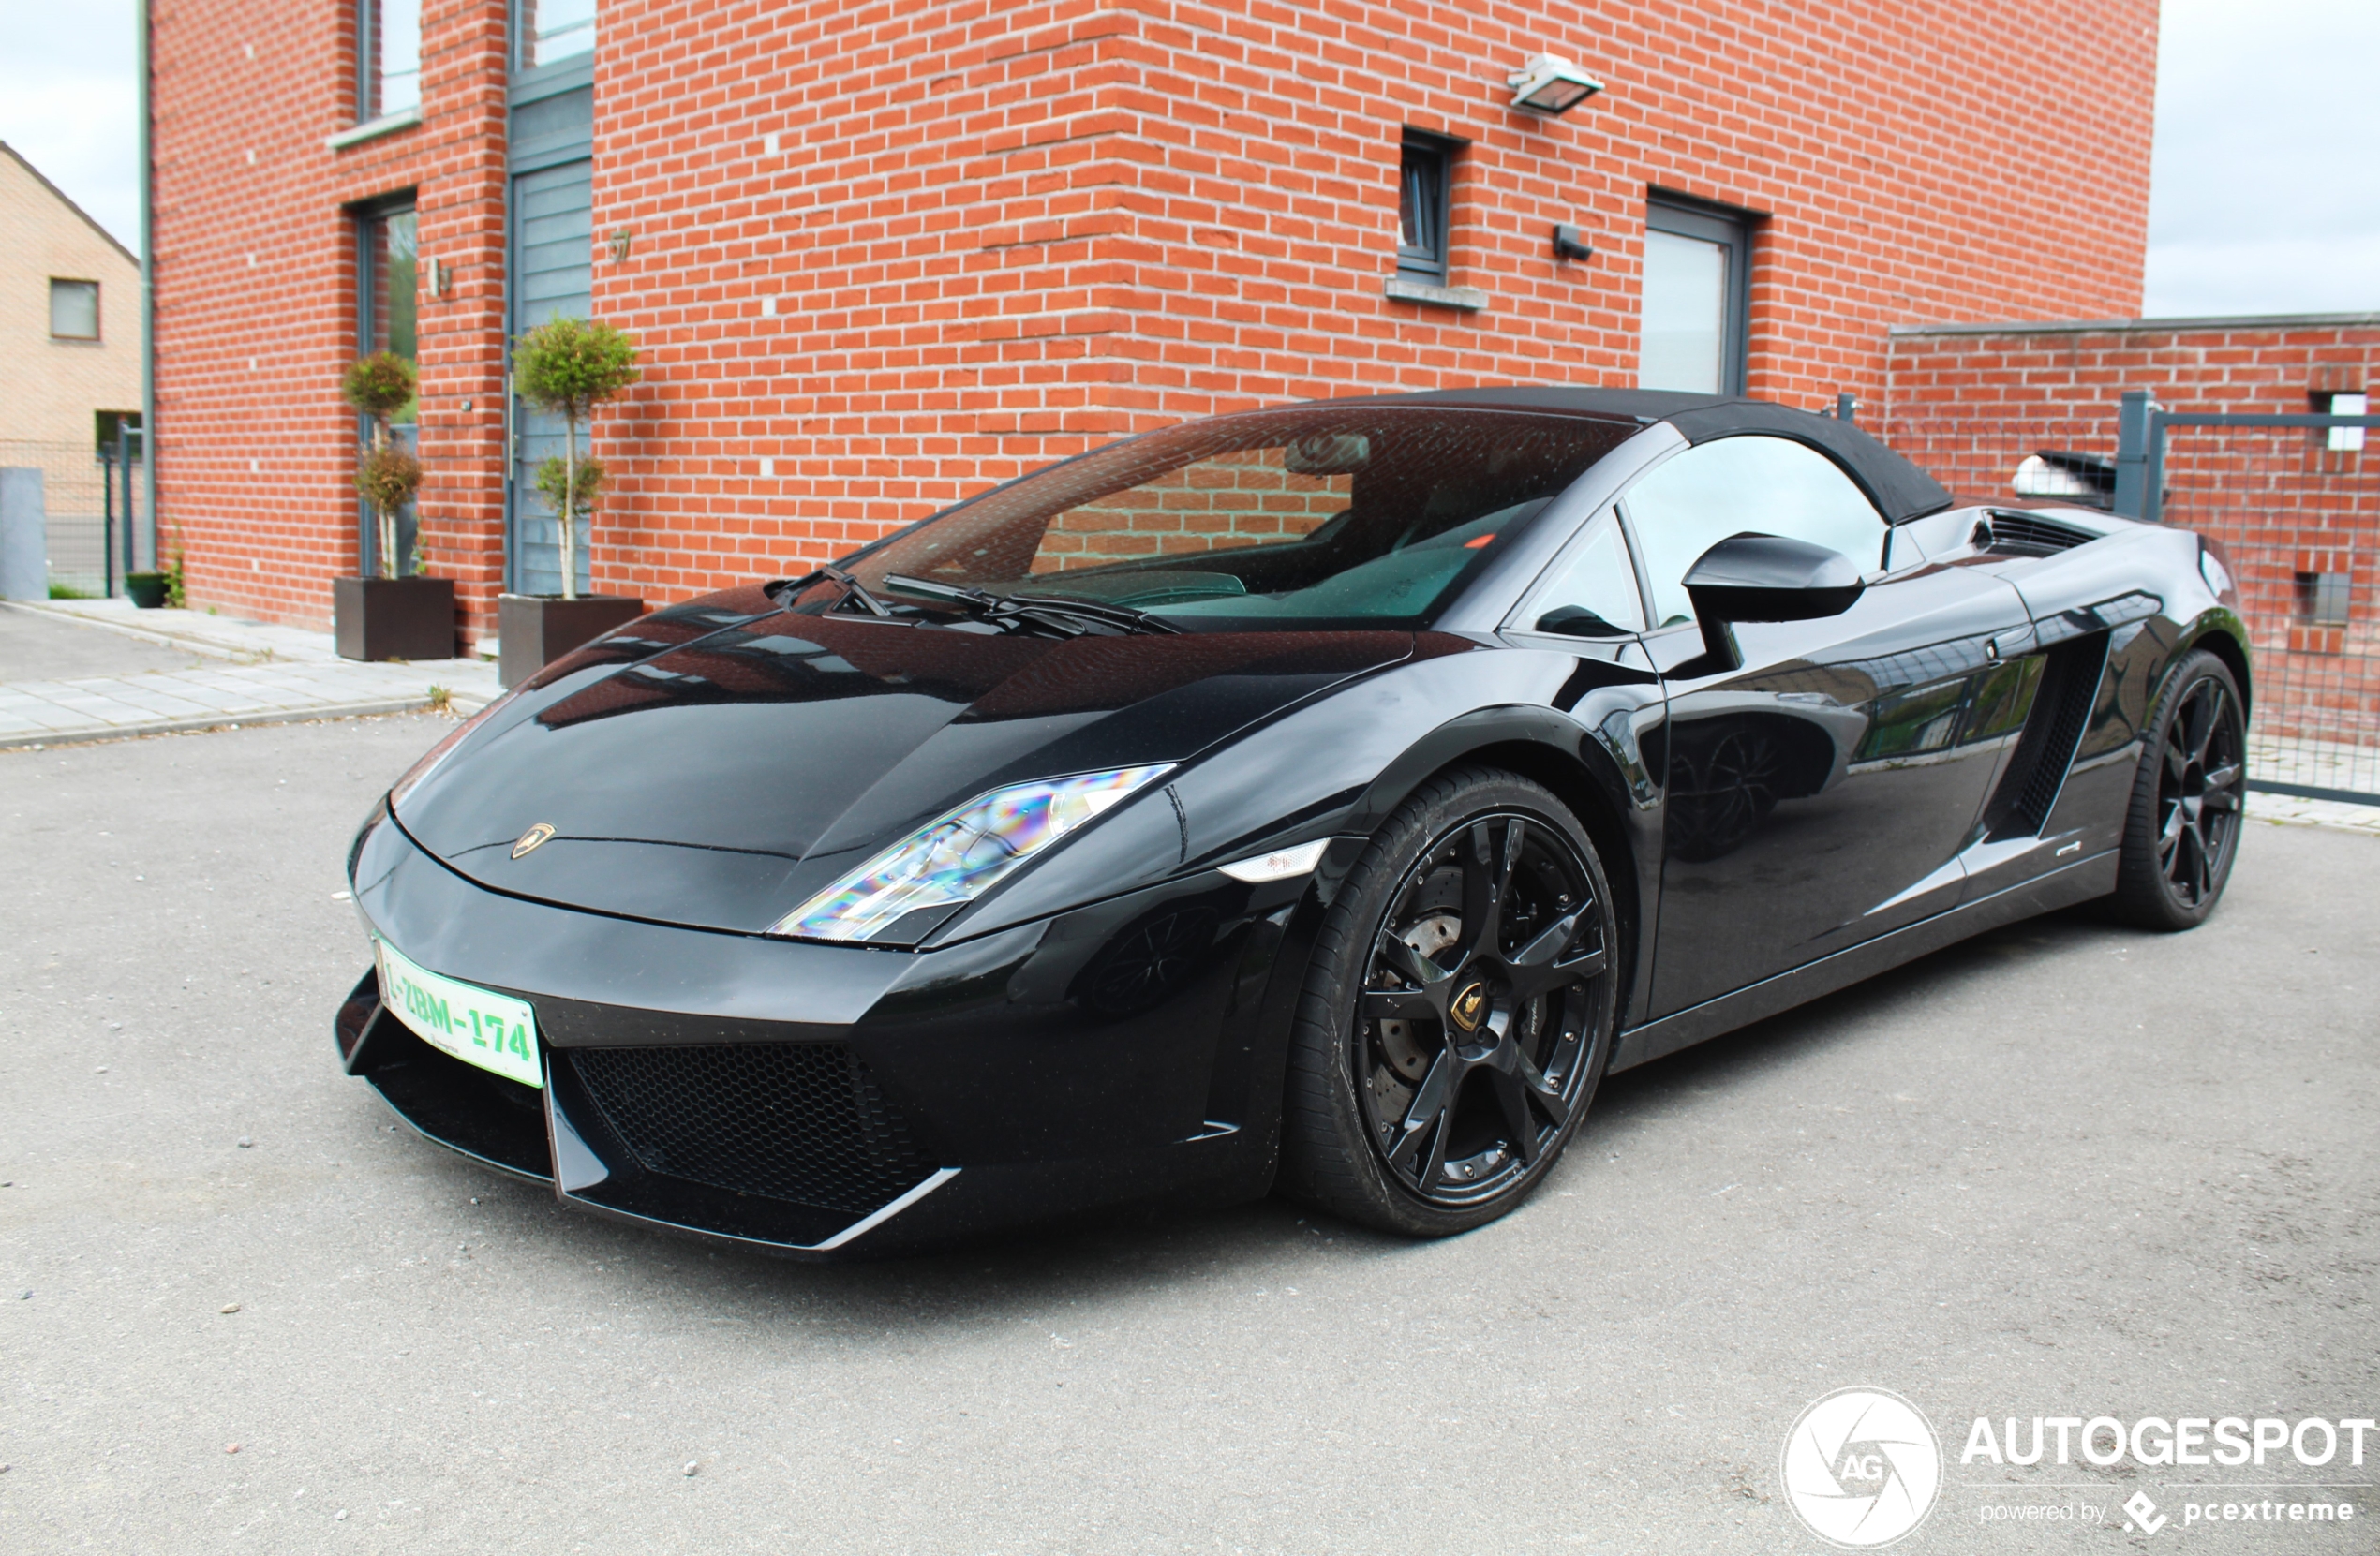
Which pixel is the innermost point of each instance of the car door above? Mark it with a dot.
(1585, 606)
(1819, 787)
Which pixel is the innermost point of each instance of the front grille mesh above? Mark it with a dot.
(801, 1121)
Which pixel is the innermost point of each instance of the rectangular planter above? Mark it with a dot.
(393, 618)
(535, 629)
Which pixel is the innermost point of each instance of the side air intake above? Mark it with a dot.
(2028, 791)
(2031, 535)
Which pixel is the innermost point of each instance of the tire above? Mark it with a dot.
(1434, 1080)
(2181, 829)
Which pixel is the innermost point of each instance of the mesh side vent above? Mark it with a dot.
(2053, 729)
(2029, 535)
(800, 1121)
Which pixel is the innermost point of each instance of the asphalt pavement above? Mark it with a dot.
(2063, 1170)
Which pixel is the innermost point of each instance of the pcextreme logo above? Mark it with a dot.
(1862, 1468)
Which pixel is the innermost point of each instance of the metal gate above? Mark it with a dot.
(98, 528)
(2295, 501)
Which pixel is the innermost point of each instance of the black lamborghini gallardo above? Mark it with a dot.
(1321, 798)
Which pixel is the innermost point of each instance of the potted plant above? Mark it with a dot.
(393, 615)
(566, 367)
(147, 590)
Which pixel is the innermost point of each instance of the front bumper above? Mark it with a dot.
(820, 1101)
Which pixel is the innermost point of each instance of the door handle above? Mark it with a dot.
(2010, 645)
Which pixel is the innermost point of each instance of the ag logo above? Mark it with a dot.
(1862, 1468)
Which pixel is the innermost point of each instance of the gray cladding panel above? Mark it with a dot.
(552, 277)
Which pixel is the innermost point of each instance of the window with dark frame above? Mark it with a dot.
(74, 309)
(1425, 187)
(388, 58)
(2322, 599)
(387, 314)
(1697, 296)
(109, 427)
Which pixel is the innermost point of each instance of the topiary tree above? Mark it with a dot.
(576, 487)
(567, 367)
(380, 385)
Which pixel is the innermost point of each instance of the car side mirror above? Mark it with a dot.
(1577, 621)
(1754, 577)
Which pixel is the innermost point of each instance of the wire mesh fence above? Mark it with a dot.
(2300, 520)
(85, 496)
(2298, 513)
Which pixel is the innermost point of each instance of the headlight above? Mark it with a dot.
(962, 855)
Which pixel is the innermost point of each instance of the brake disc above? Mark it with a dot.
(1400, 1044)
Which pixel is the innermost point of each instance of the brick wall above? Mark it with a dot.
(255, 275)
(882, 257)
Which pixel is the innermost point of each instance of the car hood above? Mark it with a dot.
(722, 781)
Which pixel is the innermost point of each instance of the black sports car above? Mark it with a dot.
(1325, 797)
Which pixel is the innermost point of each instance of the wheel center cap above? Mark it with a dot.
(1469, 1008)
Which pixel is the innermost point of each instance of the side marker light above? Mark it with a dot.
(1279, 864)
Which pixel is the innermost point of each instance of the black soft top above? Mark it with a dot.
(1899, 489)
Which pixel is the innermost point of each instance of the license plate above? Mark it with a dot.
(477, 1026)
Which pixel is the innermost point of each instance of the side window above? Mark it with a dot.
(1590, 590)
(1767, 485)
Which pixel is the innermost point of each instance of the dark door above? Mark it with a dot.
(1820, 793)
(1697, 298)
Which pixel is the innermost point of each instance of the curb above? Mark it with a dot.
(215, 722)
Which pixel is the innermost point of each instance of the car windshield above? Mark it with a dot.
(1308, 517)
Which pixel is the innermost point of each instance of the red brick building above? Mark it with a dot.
(877, 256)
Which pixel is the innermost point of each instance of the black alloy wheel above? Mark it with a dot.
(1458, 1014)
(2188, 801)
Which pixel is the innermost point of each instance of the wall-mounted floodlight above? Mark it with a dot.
(1552, 84)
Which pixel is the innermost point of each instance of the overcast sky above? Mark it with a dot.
(2266, 197)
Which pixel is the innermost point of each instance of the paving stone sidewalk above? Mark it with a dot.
(256, 672)
(2289, 810)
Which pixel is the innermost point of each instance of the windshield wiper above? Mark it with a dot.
(1122, 617)
(1041, 609)
(853, 589)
